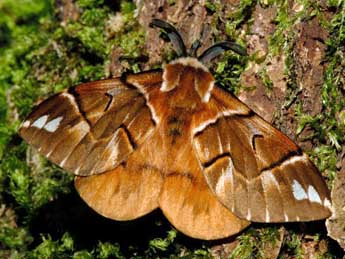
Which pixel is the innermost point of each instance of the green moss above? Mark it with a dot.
(162, 244)
(131, 38)
(53, 249)
(268, 84)
(13, 239)
(228, 71)
(213, 6)
(285, 21)
(230, 66)
(89, 3)
(65, 248)
(37, 62)
(241, 15)
(328, 127)
(89, 29)
(132, 44)
(253, 241)
(107, 250)
(294, 245)
(306, 119)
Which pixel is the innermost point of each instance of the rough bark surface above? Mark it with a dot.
(263, 101)
(193, 20)
(276, 104)
(336, 224)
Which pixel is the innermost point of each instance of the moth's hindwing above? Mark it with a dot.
(91, 128)
(255, 170)
(161, 174)
(127, 192)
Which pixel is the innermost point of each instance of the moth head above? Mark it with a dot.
(189, 61)
(175, 72)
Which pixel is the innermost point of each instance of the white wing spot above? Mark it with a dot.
(197, 146)
(226, 177)
(53, 125)
(313, 195)
(63, 161)
(249, 215)
(220, 145)
(207, 152)
(164, 87)
(286, 217)
(40, 122)
(113, 158)
(298, 191)
(76, 172)
(49, 153)
(268, 179)
(327, 203)
(26, 124)
(69, 96)
(267, 215)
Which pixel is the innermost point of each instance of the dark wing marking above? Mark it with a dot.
(255, 170)
(91, 128)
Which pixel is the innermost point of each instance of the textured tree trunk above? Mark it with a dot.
(276, 84)
(305, 76)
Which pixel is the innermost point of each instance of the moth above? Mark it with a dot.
(171, 139)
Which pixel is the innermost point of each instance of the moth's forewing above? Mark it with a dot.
(255, 170)
(90, 129)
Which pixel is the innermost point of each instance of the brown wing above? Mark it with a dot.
(143, 184)
(163, 172)
(189, 204)
(91, 128)
(127, 192)
(255, 170)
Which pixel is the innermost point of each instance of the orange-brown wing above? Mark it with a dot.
(189, 204)
(185, 198)
(129, 191)
(163, 172)
(132, 189)
(143, 184)
(91, 128)
(255, 170)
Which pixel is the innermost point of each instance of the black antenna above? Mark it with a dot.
(196, 44)
(173, 35)
(219, 48)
